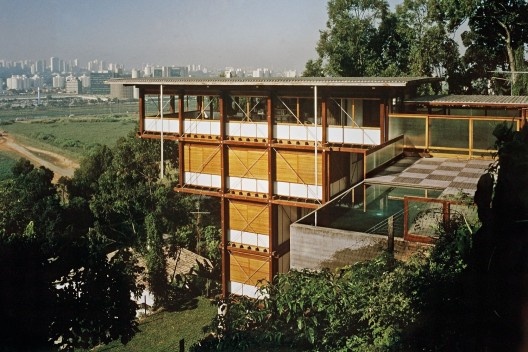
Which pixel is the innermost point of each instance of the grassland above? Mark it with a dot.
(163, 331)
(73, 137)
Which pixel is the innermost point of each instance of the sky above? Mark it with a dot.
(274, 34)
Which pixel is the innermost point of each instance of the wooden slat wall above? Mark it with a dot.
(298, 167)
(249, 217)
(248, 163)
(202, 159)
(248, 270)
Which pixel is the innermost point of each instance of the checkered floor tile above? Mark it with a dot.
(451, 175)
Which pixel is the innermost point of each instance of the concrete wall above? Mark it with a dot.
(319, 247)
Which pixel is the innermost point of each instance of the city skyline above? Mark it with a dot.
(278, 35)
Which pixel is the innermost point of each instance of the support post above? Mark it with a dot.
(390, 239)
(162, 171)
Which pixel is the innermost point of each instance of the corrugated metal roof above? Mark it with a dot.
(471, 100)
(278, 81)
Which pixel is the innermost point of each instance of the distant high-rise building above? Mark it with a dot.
(73, 85)
(135, 91)
(59, 82)
(85, 82)
(176, 71)
(54, 64)
(36, 81)
(157, 72)
(98, 83)
(147, 71)
(18, 82)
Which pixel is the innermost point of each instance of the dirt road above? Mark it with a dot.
(60, 165)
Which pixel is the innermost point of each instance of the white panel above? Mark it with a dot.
(236, 288)
(249, 184)
(353, 136)
(263, 241)
(298, 190)
(215, 128)
(203, 127)
(250, 291)
(190, 126)
(234, 183)
(314, 192)
(298, 133)
(282, 188)
(173, 126)
(372, 137)
(311, 133)
(216, 181)
(249, 238)
(262, 130)
(189, 177)
(335, 134)
(248, 129)
(151, 125)
(281, 132)
(234, 236)
(204, 180)
(262, 186)
(233, 129)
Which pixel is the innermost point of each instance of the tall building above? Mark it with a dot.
(59, 81)
(98, 82)
(73, 85)
(55, 65)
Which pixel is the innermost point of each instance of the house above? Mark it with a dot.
(274, 150)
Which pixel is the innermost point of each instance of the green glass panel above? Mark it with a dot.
(412, 128)
(449, 133)
(483, 134)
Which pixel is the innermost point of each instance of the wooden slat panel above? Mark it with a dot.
(249, 217)
(202, 159)
(248, 163)
(248, 270)
(298, 167)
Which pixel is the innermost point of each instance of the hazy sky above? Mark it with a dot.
(276, 34)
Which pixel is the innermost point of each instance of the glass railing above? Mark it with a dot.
(382, 154)
(468, 135)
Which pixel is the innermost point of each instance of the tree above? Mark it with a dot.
(60, 286)
(346, 47)
(431, 49)
(94, 303)
(498, 28)
(156, 261)
(501, 247)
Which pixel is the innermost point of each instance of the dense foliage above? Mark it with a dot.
(69, 251)
(378, 305)
(420, 38)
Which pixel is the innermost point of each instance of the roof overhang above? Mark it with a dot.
(277, 81)
(472, 101)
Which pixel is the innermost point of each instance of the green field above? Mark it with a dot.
(163, 331)
(73, 137)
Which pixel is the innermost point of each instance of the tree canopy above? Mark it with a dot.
(423, 38)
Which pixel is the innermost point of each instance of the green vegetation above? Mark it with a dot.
(378, 305)
(367, 38)
(7, 161)
(71, 260)
(74, 137)
(163, 330)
